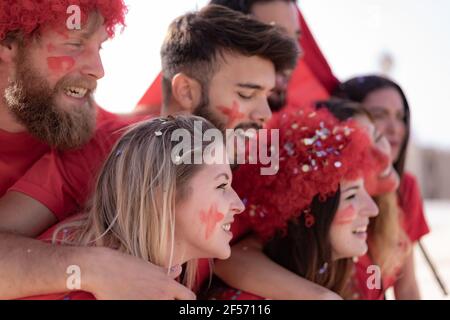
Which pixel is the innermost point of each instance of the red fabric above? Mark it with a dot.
(411, 202)
(311, 80)
(360, 277)
(314, 58)
(62, 181)
(413, 222)
(18, 152)
(227, 293)
(304, 88)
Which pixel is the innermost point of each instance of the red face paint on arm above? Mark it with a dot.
(345, 216)
(60, 64)
(232, 113)
(210, 219)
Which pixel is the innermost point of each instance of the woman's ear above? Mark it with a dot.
(187, 92)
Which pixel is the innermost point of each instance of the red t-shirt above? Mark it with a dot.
(62, 181)
(18, 152)
(411, 202)
(415, 226)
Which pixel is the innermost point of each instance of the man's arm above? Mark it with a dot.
(21, 214)
(249, 269)
(406, 287)
(30, 267)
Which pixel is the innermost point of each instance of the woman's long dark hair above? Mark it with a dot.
(305, 251)
(357, 89)
(385, 231)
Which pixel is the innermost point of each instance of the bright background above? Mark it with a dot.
(354, 36)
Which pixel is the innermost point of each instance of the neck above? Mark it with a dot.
(179, 258)
(172, 108)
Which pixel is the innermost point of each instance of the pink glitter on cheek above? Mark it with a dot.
(60, 64)
(345, 216)
(210, 219)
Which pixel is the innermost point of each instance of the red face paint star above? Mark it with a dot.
(60, 64)
(232, 113)
(345, 216)
(210, 220)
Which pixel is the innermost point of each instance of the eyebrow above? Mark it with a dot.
(351, 188)
(253, 86)
(226, 176)
(379, 109)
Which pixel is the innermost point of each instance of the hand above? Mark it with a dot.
(112, 275)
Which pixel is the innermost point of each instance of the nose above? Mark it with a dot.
(384, 146)
(370, 208)
(393, 127)
(93, 66)
(237, 206)
(262, 112)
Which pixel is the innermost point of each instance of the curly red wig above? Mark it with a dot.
(316, 153)
(28, 15)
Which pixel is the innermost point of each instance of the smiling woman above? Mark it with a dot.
(314, 214)
(147, 206)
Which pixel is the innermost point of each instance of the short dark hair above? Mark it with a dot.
(195, 42)
(244, 6)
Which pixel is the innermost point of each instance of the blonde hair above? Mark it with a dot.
(389, 244)
(133, 206)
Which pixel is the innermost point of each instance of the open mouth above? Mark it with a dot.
(76, 92)
(226, 227)
(360, 231)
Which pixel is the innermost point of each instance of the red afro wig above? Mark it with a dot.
(316, 153)
(27, 16)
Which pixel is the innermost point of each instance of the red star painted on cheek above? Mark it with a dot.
(232, 113)
(210, 219)
(60, 64)
(345, 216)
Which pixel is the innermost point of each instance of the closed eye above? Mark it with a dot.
(223, 186)
(243, 96)
(353, 196)
(75, 44)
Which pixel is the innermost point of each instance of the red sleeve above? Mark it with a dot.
(44, 183)
(62, 181)
(76, 295)
(411, 202)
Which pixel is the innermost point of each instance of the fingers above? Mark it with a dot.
(180, 292)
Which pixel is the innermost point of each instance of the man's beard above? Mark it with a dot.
(205, 110)
(33, 103)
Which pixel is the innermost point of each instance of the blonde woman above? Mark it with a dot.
(153, 204)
